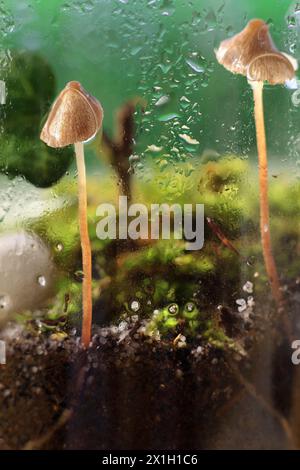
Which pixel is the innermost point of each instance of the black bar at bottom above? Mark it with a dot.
(136, 459)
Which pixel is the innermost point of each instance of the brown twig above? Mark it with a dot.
(37, 444)
(230, 403)
(67, 414)
(251, 390)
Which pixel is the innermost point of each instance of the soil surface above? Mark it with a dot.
(129, 392)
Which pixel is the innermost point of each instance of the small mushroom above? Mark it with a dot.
(74, 118)
(252, 53)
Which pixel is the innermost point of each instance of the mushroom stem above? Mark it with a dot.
(263, 193)
(85, 247)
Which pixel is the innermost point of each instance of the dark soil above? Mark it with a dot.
(127, 393)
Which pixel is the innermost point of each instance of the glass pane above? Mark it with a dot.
(193, 274)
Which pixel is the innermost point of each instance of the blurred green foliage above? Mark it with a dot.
(161, 273)
(30, 85)
(163, 48)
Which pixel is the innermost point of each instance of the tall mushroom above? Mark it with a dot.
(252, 53)
(74, 118)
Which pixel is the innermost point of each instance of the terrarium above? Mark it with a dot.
(149, 225)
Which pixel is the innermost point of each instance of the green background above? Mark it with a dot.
(126, 48)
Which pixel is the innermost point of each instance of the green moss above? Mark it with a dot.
(162, 272)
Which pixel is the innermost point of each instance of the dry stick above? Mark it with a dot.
(231, 402)
(251, 390)
(67, 414)
(263, 193)
(37, 444)
(85, 247)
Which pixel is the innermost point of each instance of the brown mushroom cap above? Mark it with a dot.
(75, 116)
(252, 53)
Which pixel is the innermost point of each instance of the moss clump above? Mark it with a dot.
(192, 323)
(159, 273)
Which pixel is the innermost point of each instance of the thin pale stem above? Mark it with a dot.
(263, 193)
(85, 247)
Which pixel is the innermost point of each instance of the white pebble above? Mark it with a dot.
(248, 287)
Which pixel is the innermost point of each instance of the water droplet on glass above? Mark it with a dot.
(134, 158)
(173, 309)
(196, 67)
(7, 23)
(296, 97)
(59, 247)
(165, 68)
(168, 117)
(291, 20)
(42, 281)
(154, 148)
(162, 100)
(188, 139)
(4, 301)
(190, 306)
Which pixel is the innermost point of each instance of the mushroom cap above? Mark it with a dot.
(252, 53)
(76, 116)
